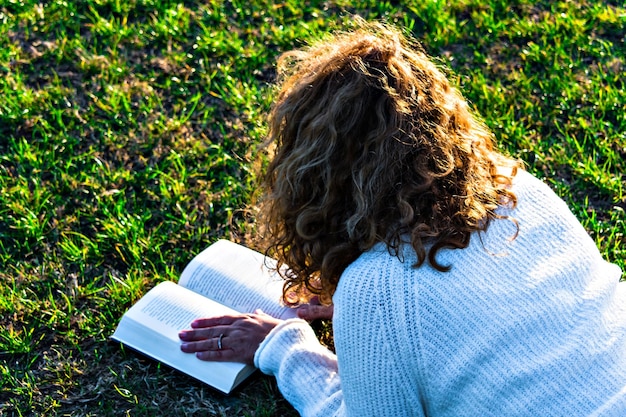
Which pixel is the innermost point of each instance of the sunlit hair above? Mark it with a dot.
(373, 144)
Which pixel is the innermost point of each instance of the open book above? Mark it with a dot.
(225, 278)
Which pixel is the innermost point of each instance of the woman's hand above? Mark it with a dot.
(228, 338)
(313, 310)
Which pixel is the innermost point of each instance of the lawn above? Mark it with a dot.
(129, 133)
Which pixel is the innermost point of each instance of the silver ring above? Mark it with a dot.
(219, 341)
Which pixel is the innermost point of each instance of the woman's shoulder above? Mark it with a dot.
(373, 262)
(527, 184)
(537, 202)
(373, 269)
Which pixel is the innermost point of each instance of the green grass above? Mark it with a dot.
(128, 132)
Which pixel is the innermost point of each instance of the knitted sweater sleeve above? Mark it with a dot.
(306, 372)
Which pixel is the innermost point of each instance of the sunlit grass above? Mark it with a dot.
(128, 131)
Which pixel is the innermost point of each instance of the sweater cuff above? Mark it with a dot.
(280, 341)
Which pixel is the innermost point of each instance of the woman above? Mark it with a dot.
(462, 285)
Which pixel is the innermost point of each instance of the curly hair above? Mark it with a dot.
(372, 144)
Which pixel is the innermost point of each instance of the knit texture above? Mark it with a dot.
(529, 326)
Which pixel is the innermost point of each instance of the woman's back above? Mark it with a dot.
(534, 325)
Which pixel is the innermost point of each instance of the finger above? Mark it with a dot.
(224, 355)
(314, 312)
(199, 346)
(200, 334)
(237, 353)
(315, 301)
(215, 321)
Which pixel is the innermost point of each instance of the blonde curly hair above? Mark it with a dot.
(372, 144)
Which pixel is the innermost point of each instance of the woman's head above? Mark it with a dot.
(373, 145)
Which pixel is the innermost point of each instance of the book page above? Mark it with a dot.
(169, 308)
(151, 326)
(238, 277)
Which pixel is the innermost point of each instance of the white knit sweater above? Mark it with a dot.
(534, 326)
